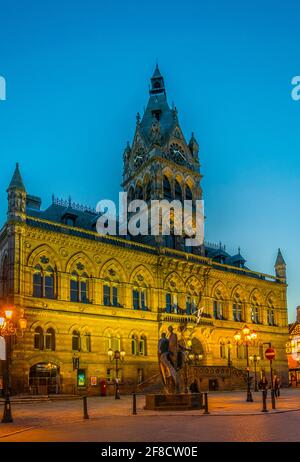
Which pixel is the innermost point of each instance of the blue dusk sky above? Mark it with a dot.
(78, 71)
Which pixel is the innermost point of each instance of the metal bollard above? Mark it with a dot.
(85, 410)
(205, 403)
(134, 404)
(273, 398)
(264, 398)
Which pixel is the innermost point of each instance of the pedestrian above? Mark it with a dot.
(194, 387)
(263, 383)
(277, 386)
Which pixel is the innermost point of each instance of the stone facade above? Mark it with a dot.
(83, 293)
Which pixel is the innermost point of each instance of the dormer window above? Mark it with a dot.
(69, 219)
(156, 114)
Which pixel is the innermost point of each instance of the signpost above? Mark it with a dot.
(270, 355)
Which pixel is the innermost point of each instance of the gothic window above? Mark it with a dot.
(88, 343)
(222, 350)
(110, 295)
(171, 302)
(39, 338)
(218, 309)
(76, 340)
(134, 345)
(5, 277)
(237, 308)
(178, 191)
(188, 193)
(79, 287)
(143, 346)
(167, 189)
(255, 319)
(50, 339)
(191, 304)
(270, 313)
(240, 351)
(43, 282)
(139, 299)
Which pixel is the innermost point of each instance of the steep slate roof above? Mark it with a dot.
(17, 181)
(279, 259)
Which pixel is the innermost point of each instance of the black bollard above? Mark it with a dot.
(264, 398)
(85, 410)
(273, 398)
(7, 416)
(205, 403)
(134, 404)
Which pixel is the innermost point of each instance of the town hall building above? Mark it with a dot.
(84, 294)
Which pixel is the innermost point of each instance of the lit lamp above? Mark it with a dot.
(116, 356)
(245, 337)
(9, 328)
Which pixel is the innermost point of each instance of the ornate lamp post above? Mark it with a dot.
(245, 337)
(8, 328)
(116, 356)
(255, 360)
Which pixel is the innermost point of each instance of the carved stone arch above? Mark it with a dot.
(194, 285)
(256, 297)
(270, 299)
(79, 258)
(188, 180)
(108, 332)
(168, 173)
(142, 277)
(36, 324)
(179, 177)
(74, 326)
(112, 270)
(174, 282)
(134, 332)
(51, 325)
(202, 340)
(45, 357)
(44, 250)
(238, 292)
(219, 291)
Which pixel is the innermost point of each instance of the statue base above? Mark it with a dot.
(176, 402)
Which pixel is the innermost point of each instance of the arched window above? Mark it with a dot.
(76, 340)
(139, 192)
(240, 350)
(167, 189)
(88, 342)
(222, 350)
(110, 294)
(188, 193)
(270, 313)
(171, 302)
(43, 282)
(255, 318)
(50, 339)
(178, 191)
(219, 309)
(79, 288)
(134, 345)
(4, 278)
(139, 298)
(143, 346)
(39, 338)
(237, 309)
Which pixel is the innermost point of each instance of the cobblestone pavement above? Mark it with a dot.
(231, 419)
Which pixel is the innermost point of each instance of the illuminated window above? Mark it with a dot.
(39, 338)
(134, 345)
(79, 288)
(76, 340)
(43, 282)
(50, 339)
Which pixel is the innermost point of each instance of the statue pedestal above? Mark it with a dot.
(176, 402)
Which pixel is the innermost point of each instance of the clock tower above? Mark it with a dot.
(160, 164)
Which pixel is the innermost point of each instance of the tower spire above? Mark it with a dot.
(17, 181)
(280, 266)
(157, 82)
(16, 194)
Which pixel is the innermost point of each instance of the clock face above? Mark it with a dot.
(177, 154)
(139, 158)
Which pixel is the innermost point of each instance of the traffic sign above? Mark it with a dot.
(270, 354)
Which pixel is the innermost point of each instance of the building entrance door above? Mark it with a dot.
(44, 379)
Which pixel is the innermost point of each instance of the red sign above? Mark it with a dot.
(270, 354)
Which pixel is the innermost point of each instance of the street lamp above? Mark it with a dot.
(255, 360)
(8, 328)
(245, 337)
(116, 356)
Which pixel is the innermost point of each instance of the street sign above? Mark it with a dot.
(270, 354)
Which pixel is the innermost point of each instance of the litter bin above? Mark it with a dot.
(103, 387)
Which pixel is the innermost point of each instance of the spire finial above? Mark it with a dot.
(17, 181)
